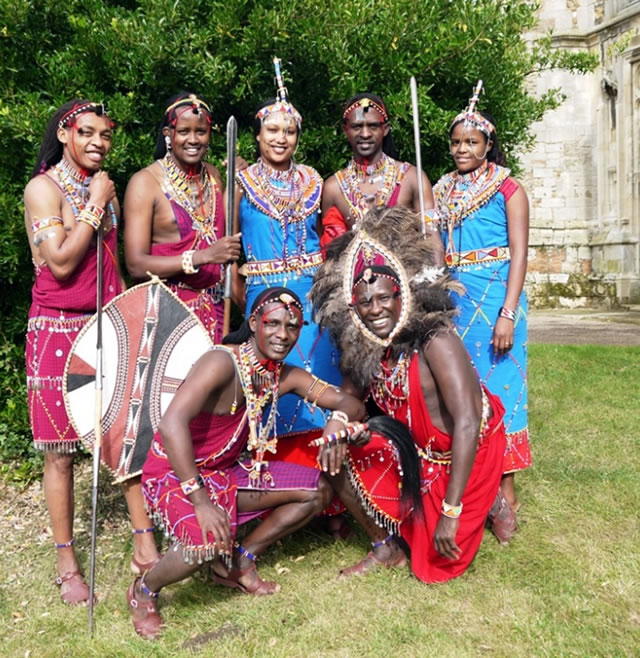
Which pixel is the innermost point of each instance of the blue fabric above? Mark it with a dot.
(486, 286)
(262, 239)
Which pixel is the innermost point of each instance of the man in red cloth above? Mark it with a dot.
(197, 482)
(66, 201)
(400, 348)
(373, 178)
(174, 214)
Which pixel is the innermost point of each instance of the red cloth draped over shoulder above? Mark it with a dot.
(77, 294)
(369, 471)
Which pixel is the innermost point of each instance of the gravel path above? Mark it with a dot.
(585, 327)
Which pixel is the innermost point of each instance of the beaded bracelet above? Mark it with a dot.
(507, 313)
(189, 486)
(451, 511)
(340, 417)
(338, 436)
(187, 262)
(91, 215)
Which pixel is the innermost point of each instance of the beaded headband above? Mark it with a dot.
(286, 300)
(196, 103)
(80, 108)
(371, 274)
(363, 244)
(473, 119)
(282, 104)
(365, 104)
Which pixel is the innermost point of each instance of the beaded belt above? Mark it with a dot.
(293, 264)
(461, 258)
(59, 324)
(433, 456)
(216, 292)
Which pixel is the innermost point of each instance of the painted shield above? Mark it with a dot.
(150, 340)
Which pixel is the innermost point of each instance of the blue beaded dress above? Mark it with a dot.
(472, 209)
(278, 217)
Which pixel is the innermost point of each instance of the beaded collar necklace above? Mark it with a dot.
(178, 185)
(390, 386)
(75, 187)
(74, 184)
(282, 189)
(260, 386)
(354, 176)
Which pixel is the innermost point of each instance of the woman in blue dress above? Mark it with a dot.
(277, 208)
(484, 215)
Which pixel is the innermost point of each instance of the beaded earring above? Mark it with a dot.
(167, 141)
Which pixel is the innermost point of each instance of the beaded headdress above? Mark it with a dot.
(197, 106)
(286, 300)
(69, 118)
(364, 104)
(282, 104)
(388, 238)
(473, 119)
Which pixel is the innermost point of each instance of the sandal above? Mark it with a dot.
(150, 625)
(140, 568)
(502, 519)
(257, 587)
(77, 590)
(371, 562)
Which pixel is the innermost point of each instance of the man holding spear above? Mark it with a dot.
(67, 201)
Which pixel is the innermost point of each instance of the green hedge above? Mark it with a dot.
(134, 55)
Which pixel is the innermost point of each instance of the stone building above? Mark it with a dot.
(583, 176)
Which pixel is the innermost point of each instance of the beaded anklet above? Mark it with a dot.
(146, 590)
(382, 542)
(67, 544)
(142, 531)
(245, 553)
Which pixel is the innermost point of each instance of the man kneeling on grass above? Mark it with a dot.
(195, 481)
(387, 307)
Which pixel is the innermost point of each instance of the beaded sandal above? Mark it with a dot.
(149, 626)
(257, 587)
(371, 562)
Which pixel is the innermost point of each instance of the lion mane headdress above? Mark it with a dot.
(391, 238)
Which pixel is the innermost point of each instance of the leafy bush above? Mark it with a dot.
(135, 54)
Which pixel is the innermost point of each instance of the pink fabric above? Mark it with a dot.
(58, 312)
(218, 442)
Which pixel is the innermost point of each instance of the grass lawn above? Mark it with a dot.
(568, 585)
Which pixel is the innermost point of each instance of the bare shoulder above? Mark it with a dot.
(41, 195)
(214, 367)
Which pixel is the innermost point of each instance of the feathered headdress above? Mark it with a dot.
(392, 238)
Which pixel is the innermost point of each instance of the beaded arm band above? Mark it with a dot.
(187, 262)
(452, 511)
(189, 486)
(91, 215)
(45, 228)
(507, 313)
(339, 417)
